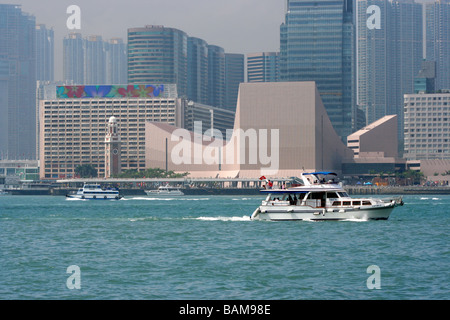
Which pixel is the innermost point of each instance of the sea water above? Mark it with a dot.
(207, 248)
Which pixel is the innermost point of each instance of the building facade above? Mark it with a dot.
(316, 44)
(427, 126)
(73, 126)
(263, 67)
(17, 84)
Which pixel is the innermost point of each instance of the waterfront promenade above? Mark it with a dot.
(210, 186)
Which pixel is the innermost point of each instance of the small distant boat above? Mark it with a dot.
(95, 192)
(3, 192)
(319, 199)
(165, 191)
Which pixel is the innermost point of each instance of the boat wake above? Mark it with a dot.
(354, 220)
(244, 218)
(425, 198)
(165, 199)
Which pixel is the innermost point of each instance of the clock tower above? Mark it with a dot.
(112, 148)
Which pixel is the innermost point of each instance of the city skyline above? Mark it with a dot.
(405, 24)
(237, 26)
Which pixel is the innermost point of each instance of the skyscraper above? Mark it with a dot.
(263, 67)
(17, 83)
(45, 53)
(197, 85)
(157, 54)
(234, 76)
(316, 44)
(389, 55)
(73, 58)
(437, 15)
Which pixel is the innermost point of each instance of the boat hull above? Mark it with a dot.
(290, 213)
(94, 197)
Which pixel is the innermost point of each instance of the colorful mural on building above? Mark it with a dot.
(109, 91)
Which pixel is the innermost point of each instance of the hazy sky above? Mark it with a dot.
(238, 26)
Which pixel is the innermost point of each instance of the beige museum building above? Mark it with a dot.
(280, 129)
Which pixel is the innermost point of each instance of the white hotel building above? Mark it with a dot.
(427, 126)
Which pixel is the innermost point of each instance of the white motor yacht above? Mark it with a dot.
(165, 191)
(319, 198)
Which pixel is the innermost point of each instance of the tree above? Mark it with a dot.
(150, 173)
(86, 171)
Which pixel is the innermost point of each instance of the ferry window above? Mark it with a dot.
(345, 203)
(316, 195)
(356, 203)
(332, 195)
(336, 203)
(366, 203)
(343, 194)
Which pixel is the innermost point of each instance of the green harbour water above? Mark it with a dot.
(207, 248)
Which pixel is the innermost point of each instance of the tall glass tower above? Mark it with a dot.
(158, 55)
(17, 83)
(234, 76)
(216, 76)
(316, 44)
(45, 53)
(197, 85)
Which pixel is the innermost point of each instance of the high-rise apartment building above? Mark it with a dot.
(45, 53)
(263, 67)
(316, 44)
(157, 54)
(234, 76)
(437, 15)
(389, 55)
(116, 62)
(73, 58)
(17, 83)
(94, 60)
